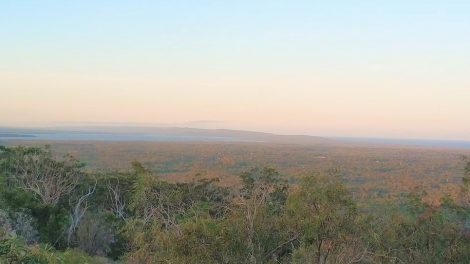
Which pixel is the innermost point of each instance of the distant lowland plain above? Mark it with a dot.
(373, 168)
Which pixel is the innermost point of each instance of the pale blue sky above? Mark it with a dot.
(340, 68)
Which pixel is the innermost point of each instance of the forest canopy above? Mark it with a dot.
(54, 210)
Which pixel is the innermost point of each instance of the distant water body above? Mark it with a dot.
(410, 142)
(110, 136)
(96, 136)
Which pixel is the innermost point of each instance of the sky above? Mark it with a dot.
(367, 68)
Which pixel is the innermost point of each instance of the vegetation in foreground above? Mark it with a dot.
(52, 211)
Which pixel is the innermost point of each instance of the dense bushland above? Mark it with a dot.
(52, 210)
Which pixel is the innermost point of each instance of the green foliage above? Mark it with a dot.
(16, 251)
(95, 234)
(135, 217)
(324, 217)
(420, 233)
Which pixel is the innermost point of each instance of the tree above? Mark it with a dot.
(78, 207)
(259, 189)
(466, 175)
(95, 235)
(37, 171)
(322, 213)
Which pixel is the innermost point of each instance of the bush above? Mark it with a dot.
(15, 250)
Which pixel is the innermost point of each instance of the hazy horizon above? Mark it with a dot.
(142, 129)
(372, 69)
